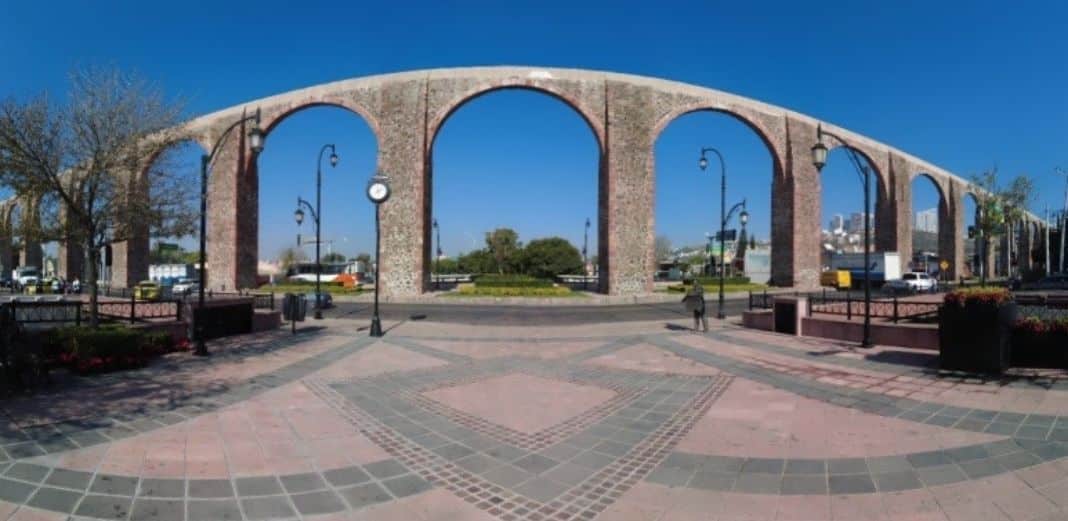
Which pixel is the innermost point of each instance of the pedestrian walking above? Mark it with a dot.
(695, 302)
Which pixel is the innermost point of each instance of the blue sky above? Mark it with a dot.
(964, 85)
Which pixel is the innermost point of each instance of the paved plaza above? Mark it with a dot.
(629, 420)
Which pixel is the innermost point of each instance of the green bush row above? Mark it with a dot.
(511, 281)
(105, 348)
(513, 291)
(714, 281)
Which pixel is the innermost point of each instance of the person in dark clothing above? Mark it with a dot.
(695, 302)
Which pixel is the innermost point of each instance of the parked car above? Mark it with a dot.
(912, 282)
(325, 300)
(186, 286)
(1053, 282)
(147, 290)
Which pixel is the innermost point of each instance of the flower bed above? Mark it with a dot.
(108, 348)
(475, 290)
(1040, 341)
(511, 281)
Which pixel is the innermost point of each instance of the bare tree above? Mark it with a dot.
(88, 160)
(290, 256)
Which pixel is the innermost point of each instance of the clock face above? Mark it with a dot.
(378, 192)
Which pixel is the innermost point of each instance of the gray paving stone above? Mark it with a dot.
(941, 475)
(507, 476)
(763, 466)
(706, 480)
(806, 466)
(112, 507)
(305, 482)
(561, 451)
(1017, 460)
(967, 453)
(723, 464)
(270, 507)
(72, 479)
(847, 466)
(569, 473)
(683, 460)
(804, 485)
(850, 484)
(210, 488)
(671, 477)
(593, 460)
(55, 499)
(406, 485)
(942, 421)
(981, 468)
(969, 424)
(24, 450)
(365, 495)
(888, 464)
(505, 453)
(758, 483)
(15, 491)
(612, 448)
(1032, 432)
(27, 472)
(1040, 420)
(535, 463)
(1010, 417)
(896, 481)
(1059, 435)
(114, 485)
(453, 451)
(346, 476)
(541, 489)
(258, 486)
(385, 469)
(213, 510)
(158, 510)
(321, 502)
(430, 440)
(478, 463)
(1051, 451)
(929, 459)
(1005, 429)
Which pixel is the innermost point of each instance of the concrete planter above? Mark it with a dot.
(976, 337)
(1048, 349)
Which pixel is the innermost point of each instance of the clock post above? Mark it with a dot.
(378, 192)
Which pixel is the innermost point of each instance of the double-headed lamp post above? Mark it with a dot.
(724, 216)
(316, 215)
(585, 243)
(437, 257)
(819, 159)
(255, 144)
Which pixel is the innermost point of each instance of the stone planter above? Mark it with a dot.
(975, 337)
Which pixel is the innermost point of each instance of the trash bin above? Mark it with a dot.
(294, 307)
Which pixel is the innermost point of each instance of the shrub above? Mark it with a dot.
(981, 295)
(513, 291)
(714, 281)
(511, 281)
(107, 348)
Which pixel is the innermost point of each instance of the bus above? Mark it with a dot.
(305, 271)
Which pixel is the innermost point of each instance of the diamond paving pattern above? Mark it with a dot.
(571, 466)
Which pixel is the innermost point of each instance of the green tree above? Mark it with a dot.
(549, 257)
(503, 244)
(445, 265)
(290, 256)
(476, 262)
(999, 208)
(363, 258)
(333, 258)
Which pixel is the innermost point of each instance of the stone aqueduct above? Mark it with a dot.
(626, 114)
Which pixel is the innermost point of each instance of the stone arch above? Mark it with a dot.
(436, 122)
(276, 115)
(752, 124)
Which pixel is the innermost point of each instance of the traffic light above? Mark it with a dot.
(971, 232)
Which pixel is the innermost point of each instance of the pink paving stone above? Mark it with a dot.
(377, 359)
(1042, 474)
(484, 350)
(432, 505)
(6, 509)
(915, 505)
(693, 505)
(745, 507)
(522, 402)
(624, 510)
(645, 357)
(756, 420)
(803, 508)
(85, 460)
(858, 507)
(32, 514)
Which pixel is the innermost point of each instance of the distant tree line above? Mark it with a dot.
(505, 254)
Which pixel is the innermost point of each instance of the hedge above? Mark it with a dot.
(709, 281)
(511, 281)
(514, 291)
(980, 295)
(107, 348)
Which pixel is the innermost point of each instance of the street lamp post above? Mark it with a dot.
(585, 243)
(378, 192)
(724, 215)
(255, 140)
(316, 215)
(819, 159)
(437, 258)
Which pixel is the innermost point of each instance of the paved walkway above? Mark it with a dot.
(636, 420)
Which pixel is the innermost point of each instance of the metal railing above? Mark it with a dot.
(44, 312)
(133, 310)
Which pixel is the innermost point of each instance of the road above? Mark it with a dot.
(524, 315)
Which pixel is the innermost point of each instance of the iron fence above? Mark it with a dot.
(44, 312)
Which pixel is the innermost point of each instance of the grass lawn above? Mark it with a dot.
(714, 288)
(473, 290)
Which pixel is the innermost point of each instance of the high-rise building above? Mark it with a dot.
(856, 222)
(837, 223)
(927, 220)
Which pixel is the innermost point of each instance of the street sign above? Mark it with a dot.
(171, 246)
(728, 235)
(944, 265)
